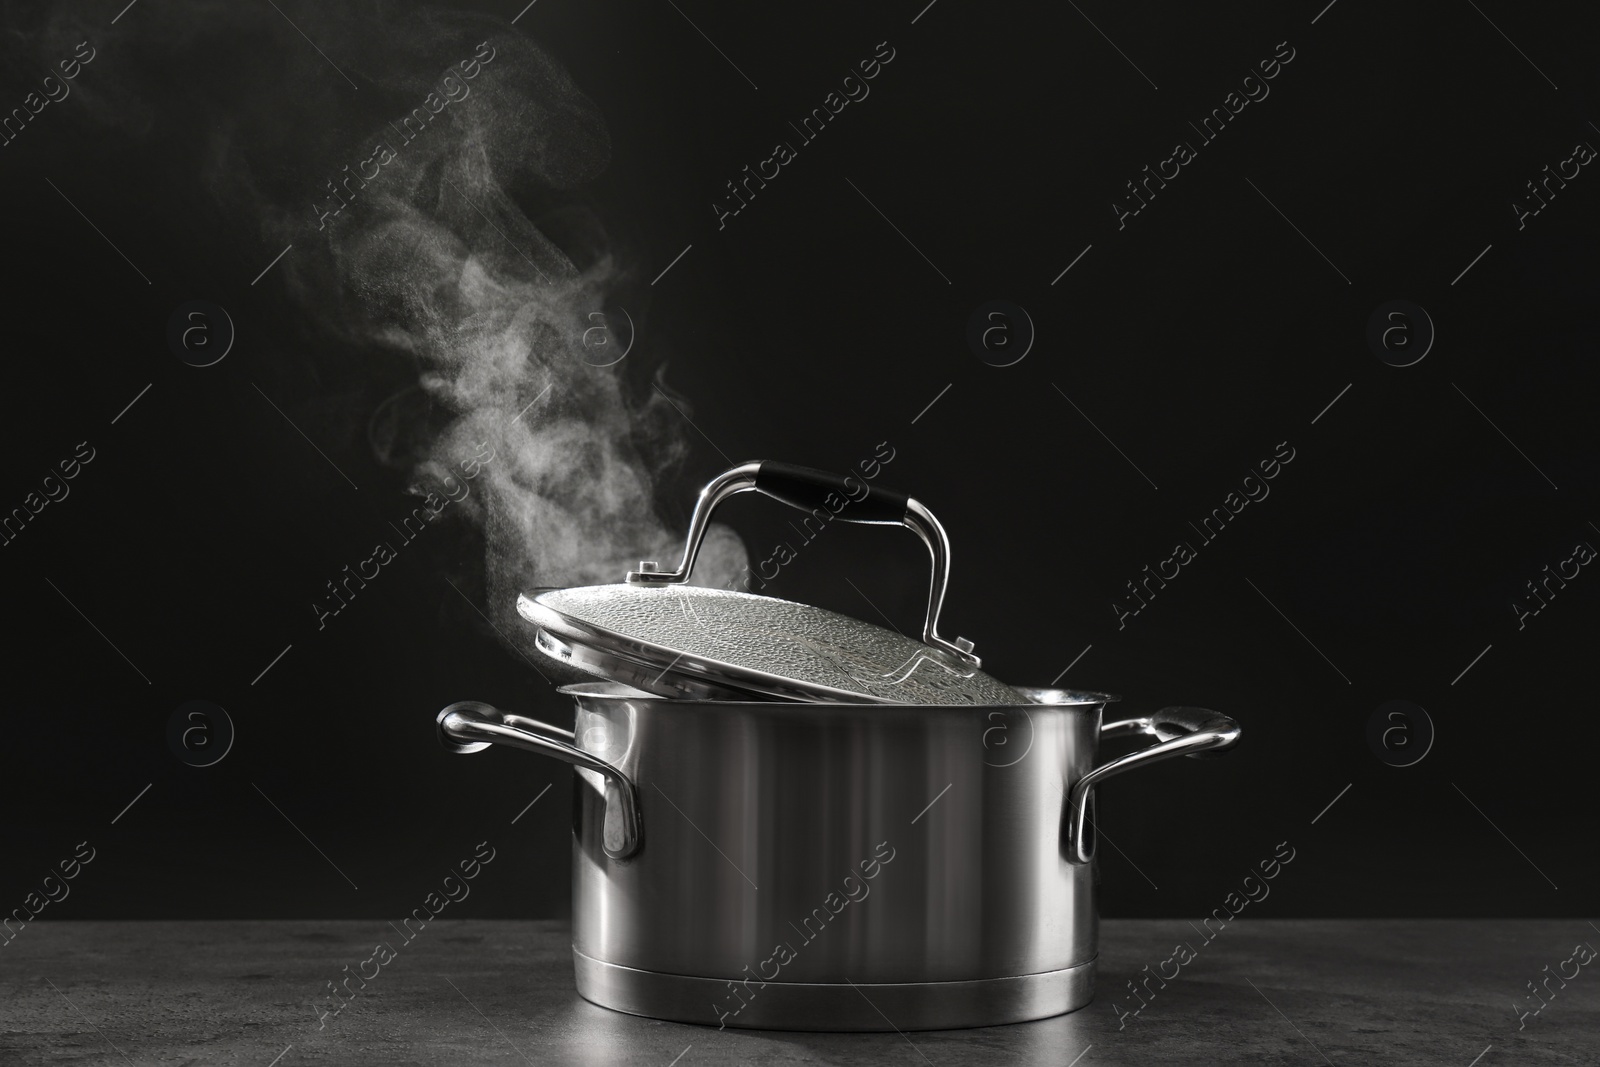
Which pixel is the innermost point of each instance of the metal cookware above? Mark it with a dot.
(657, 633)
(778, 841)
(835, 866)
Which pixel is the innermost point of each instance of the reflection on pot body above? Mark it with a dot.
(768, 806)
(706, 832)
(856, 889)
(752, 813)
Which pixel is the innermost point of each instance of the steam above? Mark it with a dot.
(435, 259)
(440, 262)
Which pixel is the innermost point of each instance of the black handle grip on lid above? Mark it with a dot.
(843, 497)
(807, 489)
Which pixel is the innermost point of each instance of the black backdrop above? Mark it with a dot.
(826, 317)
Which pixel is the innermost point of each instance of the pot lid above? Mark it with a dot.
(657, 633)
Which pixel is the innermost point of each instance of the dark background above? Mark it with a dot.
(1197, 338)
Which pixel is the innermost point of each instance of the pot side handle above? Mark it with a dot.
(472, 726)
(1196, 732)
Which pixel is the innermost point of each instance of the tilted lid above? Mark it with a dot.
(658, 634)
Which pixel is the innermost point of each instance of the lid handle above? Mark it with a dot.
(837, 497)
(848, 499)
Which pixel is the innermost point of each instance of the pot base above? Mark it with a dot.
(830, 1007)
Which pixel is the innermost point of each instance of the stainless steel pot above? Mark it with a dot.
(835, 866)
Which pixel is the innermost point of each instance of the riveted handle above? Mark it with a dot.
(1181, 731)
(472, 726)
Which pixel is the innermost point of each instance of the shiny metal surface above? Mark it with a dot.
(920, 521)
(471, 726)
(830, 844)
(767, 819)
(691, 641)
(1182, 731)
(731, 482)
(836, 1006)
(744, 479)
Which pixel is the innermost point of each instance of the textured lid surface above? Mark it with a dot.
(679, 640)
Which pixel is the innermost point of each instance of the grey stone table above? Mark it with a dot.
(1391, 992)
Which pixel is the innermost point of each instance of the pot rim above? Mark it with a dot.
(1039, 697)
